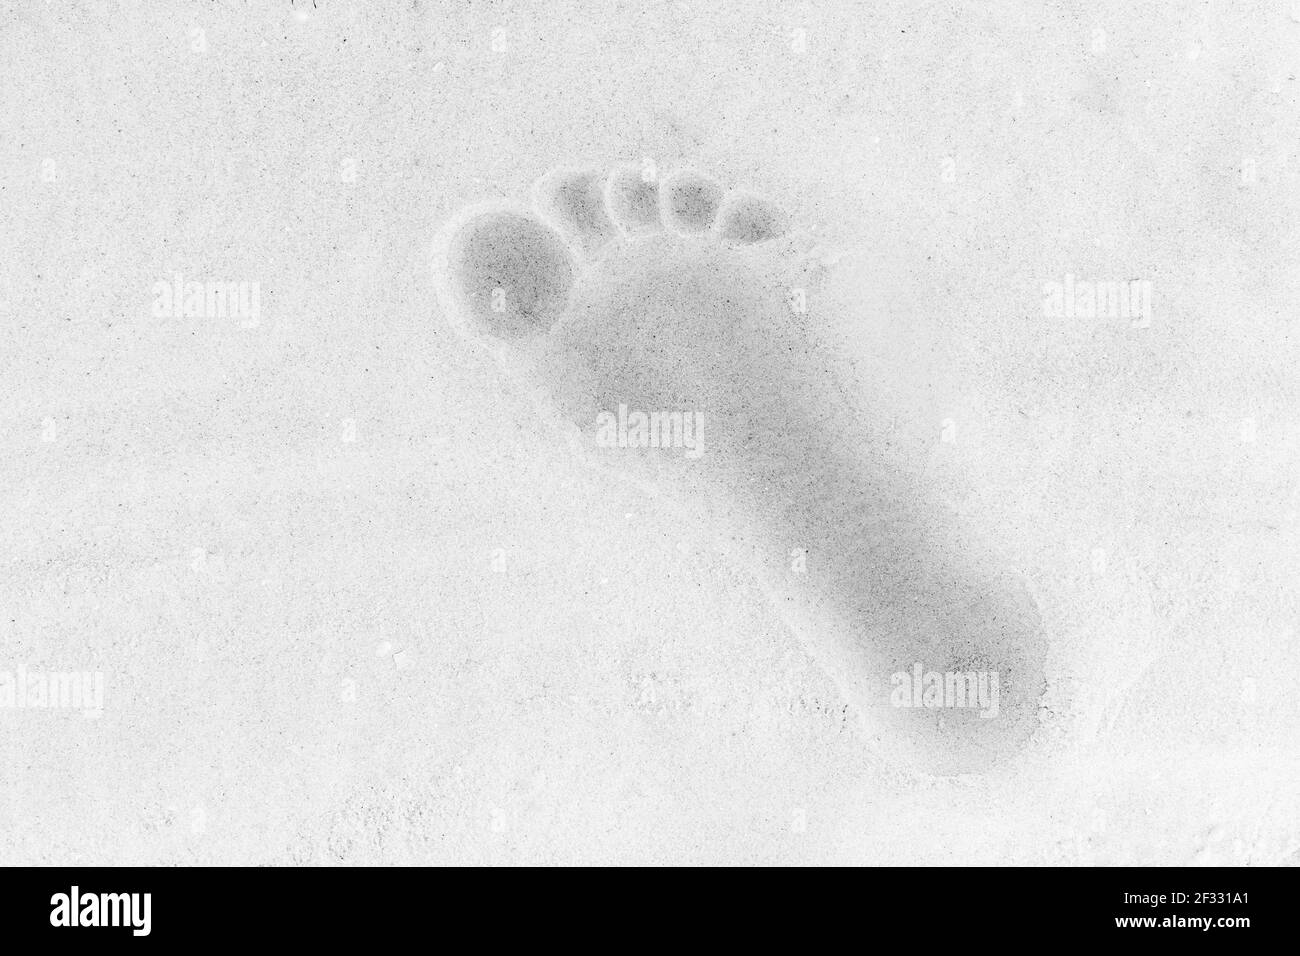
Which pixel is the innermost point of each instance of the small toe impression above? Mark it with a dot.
(691, 201)
(575, 201)
(633, 201)
(745, 219)
(503, 273)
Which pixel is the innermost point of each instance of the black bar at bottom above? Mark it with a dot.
(133, 906)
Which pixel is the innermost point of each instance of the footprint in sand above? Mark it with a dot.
(653, 322)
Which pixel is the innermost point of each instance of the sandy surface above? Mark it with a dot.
(350, 604)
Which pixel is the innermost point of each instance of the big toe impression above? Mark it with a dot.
(503, 273)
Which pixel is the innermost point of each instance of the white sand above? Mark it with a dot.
(351, 604)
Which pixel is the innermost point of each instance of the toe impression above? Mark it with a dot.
(745, 219)
(574, 200)
(632, 197)
(690, 201)
(502, 273)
